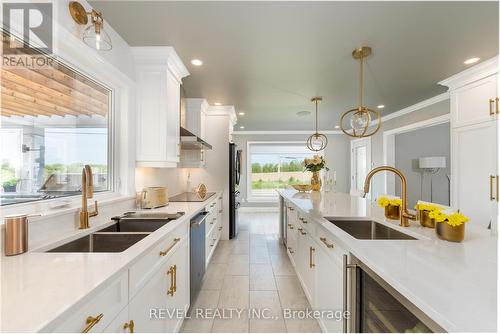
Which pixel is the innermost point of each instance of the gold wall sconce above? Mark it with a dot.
(317, 141)
(94, 35)
(356, 122)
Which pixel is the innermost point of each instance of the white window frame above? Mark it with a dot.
(249, 196)
(121, 134)
(354, 143)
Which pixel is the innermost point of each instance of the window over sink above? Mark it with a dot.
(54, 120)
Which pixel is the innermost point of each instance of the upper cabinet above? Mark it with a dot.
(159, 73)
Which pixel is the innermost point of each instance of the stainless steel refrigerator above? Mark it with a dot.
(234, 193)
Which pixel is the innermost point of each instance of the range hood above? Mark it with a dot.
(190, 141)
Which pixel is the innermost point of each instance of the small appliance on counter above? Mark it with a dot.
(154, 197)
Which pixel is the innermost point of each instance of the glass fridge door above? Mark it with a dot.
(378, 311)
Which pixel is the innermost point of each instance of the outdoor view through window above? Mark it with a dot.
(277, 166)
(54, 121)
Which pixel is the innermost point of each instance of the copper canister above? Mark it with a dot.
(16, 234)
(447, 232)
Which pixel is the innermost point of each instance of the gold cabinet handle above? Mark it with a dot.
(290, 226)
(290, 250)
(220, 228)
(497, 107)
(498, 184)
(171, 272)
(165, 252)
(303, 220)
(492, 112)
(491, 188)
(290, 208)
(129, 325)
(301, 230)
(327, 244)
(311, 260)
(91, 322)
(175, 278)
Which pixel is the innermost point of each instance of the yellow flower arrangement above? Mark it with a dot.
(385, 201)
(453, 219)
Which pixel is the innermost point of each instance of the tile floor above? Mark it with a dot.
(251, 272)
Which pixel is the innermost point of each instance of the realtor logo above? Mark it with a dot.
(31, 23)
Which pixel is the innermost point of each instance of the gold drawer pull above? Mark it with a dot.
(129, 325)
(301, 230)
(311, 251)
(91, 322)
(329, 245)
(497, 108)
(492, 197)
(220, 228)
(492, 112)
(498, 184)
(220, 197)
(290, 208)
(290, 226)
(172, 271)
(165, 252)
(290, 250)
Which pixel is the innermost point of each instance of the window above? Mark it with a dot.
(54, 121)
(275, 166)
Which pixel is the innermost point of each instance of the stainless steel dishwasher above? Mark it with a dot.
(196, 254)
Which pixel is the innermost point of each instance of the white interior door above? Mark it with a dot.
(361, 163)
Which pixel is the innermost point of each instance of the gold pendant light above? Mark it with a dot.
(356, 122)
(317, 141)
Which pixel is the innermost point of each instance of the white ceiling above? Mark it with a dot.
(269, 58)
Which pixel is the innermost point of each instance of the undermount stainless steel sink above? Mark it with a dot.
(369, 230)
(128, 229)
(100, 243)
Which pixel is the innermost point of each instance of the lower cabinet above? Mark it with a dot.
(121, 324)
(160, 305)
(329, 288)
(317, 259)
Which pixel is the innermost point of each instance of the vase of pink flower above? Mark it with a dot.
(315, 165)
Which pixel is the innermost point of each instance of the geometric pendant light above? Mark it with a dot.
(317, 141)
(356, 122)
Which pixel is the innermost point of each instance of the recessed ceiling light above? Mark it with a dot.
(471, 60)
(337, 126)
(381, 106)
(217, 103)
(303, 113)
(242, 127)
(241, 113)
(196, 62)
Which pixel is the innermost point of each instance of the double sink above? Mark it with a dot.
(369, 230)
(127, 230)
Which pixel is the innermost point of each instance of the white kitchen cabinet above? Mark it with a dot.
(103, 307)
(474, 168)
(474, 103)
(196, 114)
(158, 306)
(474, 150)
(328, 294)
(159, 72)
(305, 266)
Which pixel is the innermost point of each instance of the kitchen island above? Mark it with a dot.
(454, 284)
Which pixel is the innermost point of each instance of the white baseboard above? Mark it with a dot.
(244, 209)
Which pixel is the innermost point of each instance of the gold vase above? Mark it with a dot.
(425, 220)
(392, 212)
(316, 181)
(447, 232)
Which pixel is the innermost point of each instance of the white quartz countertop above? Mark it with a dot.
(37, 287)
(455, 284)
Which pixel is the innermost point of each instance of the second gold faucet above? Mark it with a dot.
(87, 193)
(405, 215)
